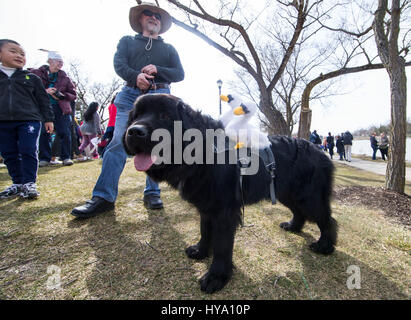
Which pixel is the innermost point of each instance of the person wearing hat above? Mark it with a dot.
(148, 65)
(61, 92)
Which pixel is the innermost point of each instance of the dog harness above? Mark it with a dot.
(244, 163)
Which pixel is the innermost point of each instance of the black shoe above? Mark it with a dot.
(92, 208)
(153, 201)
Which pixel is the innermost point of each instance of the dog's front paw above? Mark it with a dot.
(194, 252)
(286, 226)
(212, 282)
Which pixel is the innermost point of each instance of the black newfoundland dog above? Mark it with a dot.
(303, 183)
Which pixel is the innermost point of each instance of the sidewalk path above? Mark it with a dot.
(376, 167)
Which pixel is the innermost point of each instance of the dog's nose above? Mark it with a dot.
(137, 131)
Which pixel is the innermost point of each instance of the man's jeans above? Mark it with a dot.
(115, 156)
(62, 126)
(374, 152)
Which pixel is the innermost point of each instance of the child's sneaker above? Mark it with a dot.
(29, 191)
(11, 191)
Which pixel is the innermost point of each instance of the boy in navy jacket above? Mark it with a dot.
(24, 104)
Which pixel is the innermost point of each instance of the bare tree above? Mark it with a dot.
(88, 91)
(386, 28)
(360, 39)
(236, 40)
(287, 93)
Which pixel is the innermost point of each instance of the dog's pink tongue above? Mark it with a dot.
(143, 162)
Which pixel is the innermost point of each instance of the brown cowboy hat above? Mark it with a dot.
(136, 11)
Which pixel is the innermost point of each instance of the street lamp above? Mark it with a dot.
(219, 84)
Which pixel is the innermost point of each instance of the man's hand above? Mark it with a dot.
(50, 91)
(143, 82)
(150, 69)
(49, 126)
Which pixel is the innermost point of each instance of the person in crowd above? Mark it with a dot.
(347, 140)
(61, 92)
(340, 147)
(55, 147)
(315, 138)
(148, 65)
(75, 139)
(384, 144)
(108, 134)
(374, 145)
(324, 144)
(24, 104)
(330, 144)
(90, 128)
(101, 147)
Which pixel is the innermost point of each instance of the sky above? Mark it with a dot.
(88, 31)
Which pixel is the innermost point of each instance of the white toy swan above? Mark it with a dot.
(233, 103)
(244, 133)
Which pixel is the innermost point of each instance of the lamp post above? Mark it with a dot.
(219, 84)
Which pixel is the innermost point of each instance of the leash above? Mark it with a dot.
(267, 156)
(271, 169)
(244, 163)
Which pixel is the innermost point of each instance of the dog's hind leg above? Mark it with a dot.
(221, 269)
(200, 250)
(328, 239)
(296, 223)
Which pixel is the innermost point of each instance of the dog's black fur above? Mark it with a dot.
(303, 183)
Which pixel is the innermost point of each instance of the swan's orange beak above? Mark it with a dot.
(224, 98)
(239, 111)
(239, 145)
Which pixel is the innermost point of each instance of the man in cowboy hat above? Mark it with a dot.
(148, 65)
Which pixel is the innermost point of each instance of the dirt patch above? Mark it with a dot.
(392, 204)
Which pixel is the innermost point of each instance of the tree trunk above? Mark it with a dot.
(395, 174)
(274, 117)
(305, 123)
(306, 113)
(387, 45)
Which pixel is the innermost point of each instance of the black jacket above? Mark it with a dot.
(23, 98)
(347, 138)
(132, 56)
(330, 140)
(374, 142)
(340, 145)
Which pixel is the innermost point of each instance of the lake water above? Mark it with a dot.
(364, 147)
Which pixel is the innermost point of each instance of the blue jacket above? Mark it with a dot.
(374, 142)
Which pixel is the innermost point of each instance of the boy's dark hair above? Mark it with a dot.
(4, 41)
(92, 108)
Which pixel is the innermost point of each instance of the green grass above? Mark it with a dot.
(133, 253)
